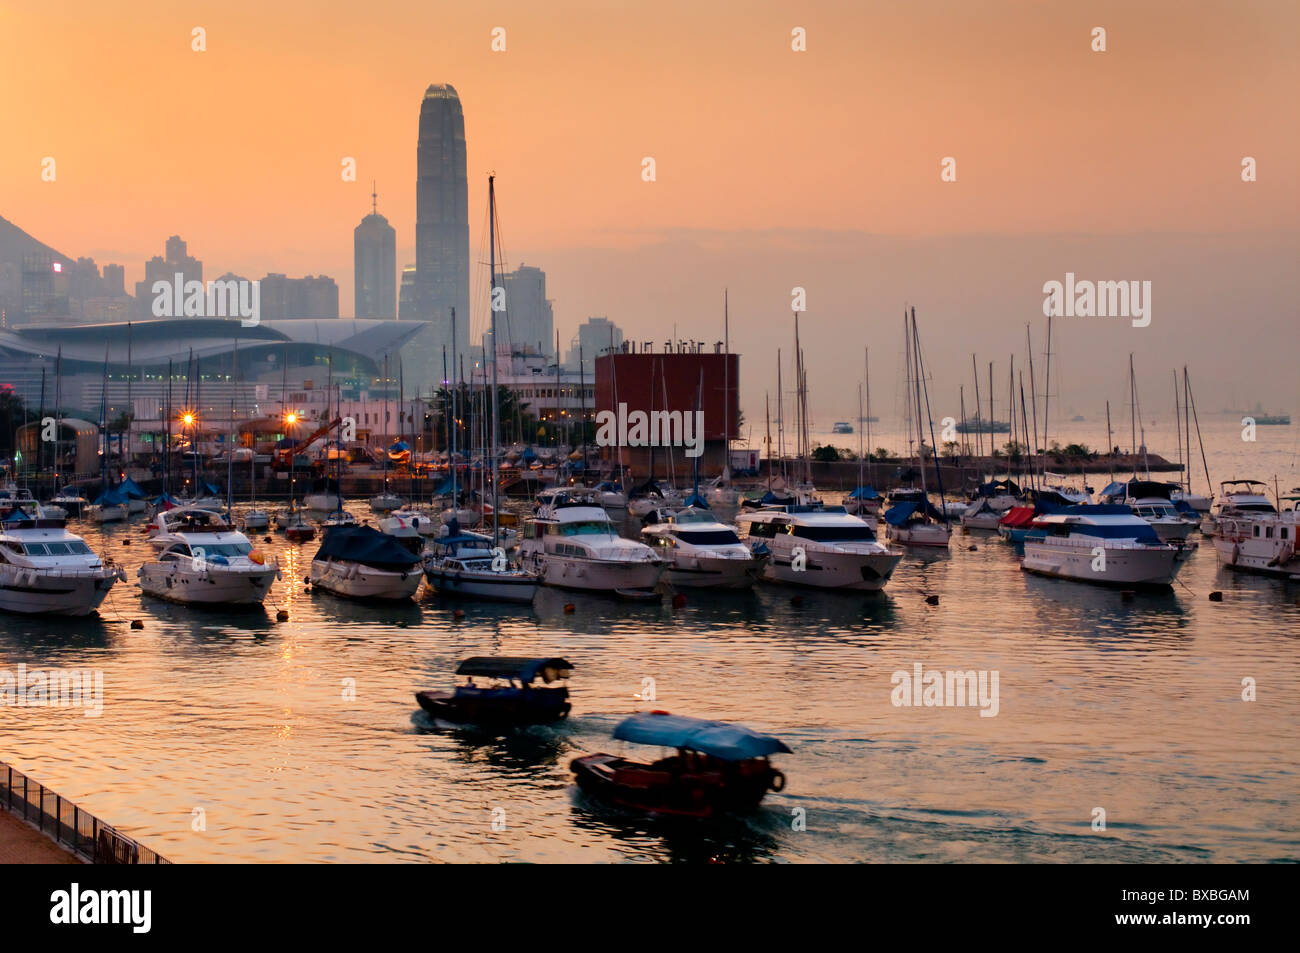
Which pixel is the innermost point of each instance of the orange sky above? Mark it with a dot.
(238, 148)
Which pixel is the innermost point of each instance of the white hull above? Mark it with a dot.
(982, 521)
(385, 503)
(491, 586)
(135, 506)
(922, 534)
(712, 572)
(1124, 566)
(355, 581)
(323, 502)
(842, 567)
(256, 519)
(67, 592)
(571, 572)
(106, 514)
(213, 585)
(1239, 550)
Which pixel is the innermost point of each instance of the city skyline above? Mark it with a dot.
(813, 174)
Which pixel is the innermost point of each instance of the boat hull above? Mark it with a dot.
(924, 534)
(355, 581)
(1149, 567)
(571, 572)
(177, 582)
(504, 709)
(713, 572)
(658, 790)
(513, 587)
(32, 592)
(842, 570)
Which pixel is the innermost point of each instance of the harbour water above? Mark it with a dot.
(231, 737)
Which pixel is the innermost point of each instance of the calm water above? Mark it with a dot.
(1132, 706)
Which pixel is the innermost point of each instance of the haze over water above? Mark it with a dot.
(1133, 706)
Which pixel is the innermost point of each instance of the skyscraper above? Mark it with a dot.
(374, 257)
(530, 321)
(442, 216)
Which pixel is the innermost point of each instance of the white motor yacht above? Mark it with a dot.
(702, 553)
(1100, 543)
(818, 545)
(1263, 543)
(573, 544)
(46, 570)
(202, 559)
(1151, 501)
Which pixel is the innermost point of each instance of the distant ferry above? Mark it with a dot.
(984, 426)
(842, 426)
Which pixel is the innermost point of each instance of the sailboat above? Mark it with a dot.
(864, 500)
(469, 565)
(387, 501)
(721, 490)
(911, 519)
(111, 505)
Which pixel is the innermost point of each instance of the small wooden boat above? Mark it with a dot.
(512, 700)
(718, 767)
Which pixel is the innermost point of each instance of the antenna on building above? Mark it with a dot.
(374, 199)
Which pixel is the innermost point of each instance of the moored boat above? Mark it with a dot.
(359, 562)
(46, 570)
(1100, 543)
(203, 560)
(820, 546)
(573, 544)
(467, 565)
(701, 552)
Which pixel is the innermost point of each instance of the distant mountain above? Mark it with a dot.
(15, 243)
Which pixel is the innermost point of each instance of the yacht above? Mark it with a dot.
(1151, 501)
(1240, 499)
(611, 495)
(652, 495)
(817, 545)
(700, 552)
(912, 520)
(842, 426)
(359, 562)
(863, 501)
(573, 544)
(386, 502)
(1100, 543)
(204, 560)
(982, 515)
(46, 570)
(256, 519)
(467, 565)
(1260, 543)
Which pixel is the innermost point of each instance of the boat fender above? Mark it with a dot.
(777, 782)
(1236, 551)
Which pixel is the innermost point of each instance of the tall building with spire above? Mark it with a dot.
(374, 258)
(442, 216)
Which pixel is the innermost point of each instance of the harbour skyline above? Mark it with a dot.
(757, 190)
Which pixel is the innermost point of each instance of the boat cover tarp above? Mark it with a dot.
(132, 489)
(1149, 489)
(900, 513)
(1018, 516)
(362, 544)
(995, 488)
(696, 500)
(1115, 491)
(16, 515)
(717, 738)
(399, 447)
(1182, 506)
(864, 493)
(524, 669)
(111, 496)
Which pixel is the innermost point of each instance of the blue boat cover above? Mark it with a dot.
(362, 544)
(900, 514)
(111, 496)
(864, 493)
(524, 669)
(163, 499)
(132, 489)
(528, 454)
(717, 738)
(696, 500)
(16, 515)
(1182, 506)
(400, 446)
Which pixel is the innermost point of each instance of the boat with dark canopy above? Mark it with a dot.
(718, 767)
(514, 699)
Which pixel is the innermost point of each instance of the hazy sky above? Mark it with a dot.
(775, 168)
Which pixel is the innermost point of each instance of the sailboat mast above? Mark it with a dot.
(496, 351)
(1183, 472)
(780, 415)
(979, 437)
(866, 367)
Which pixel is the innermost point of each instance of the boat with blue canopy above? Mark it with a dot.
(359, 562)
(520, 691)
(718, 767)
(1099, 543)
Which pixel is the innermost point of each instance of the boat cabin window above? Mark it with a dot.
(1268, 532)
(707, 537)
(836, 534)
(1284, 532)
(75, 547)
(762, 530)
(588, 528)
(225, 549)
(1257, 530)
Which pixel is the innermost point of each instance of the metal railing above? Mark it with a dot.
(72, 826)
